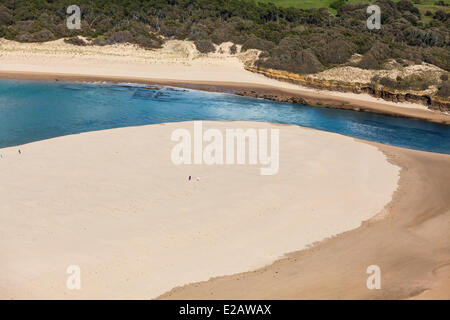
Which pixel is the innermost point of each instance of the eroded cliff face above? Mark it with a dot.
(432, 102)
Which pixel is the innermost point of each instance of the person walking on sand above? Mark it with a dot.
(20, 152)
(190, 178)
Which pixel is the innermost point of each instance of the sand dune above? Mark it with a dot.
(113, 203)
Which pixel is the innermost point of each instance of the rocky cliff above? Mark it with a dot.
(432, 102)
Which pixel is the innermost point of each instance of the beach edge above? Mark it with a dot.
(248, 89)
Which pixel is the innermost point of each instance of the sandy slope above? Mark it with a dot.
(178, 60)
(113, 203)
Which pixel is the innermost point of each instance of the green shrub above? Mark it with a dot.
(444, 90)
(375, 57)
(205, 46)
(76, 41)
(337, 4)
(5, 15)
(253, 42)
(412, 82)
(233, 49)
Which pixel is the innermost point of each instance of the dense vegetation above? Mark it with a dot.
(292, 39)
(422, 5)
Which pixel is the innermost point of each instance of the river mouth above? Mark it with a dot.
(37, 110)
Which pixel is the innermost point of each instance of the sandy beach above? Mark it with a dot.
(178, 63)
(113, 203)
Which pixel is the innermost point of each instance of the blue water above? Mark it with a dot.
(31, 111)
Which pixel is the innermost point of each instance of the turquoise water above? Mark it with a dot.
(31, 111)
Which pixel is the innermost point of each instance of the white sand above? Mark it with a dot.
(113, 203)
(177, 60)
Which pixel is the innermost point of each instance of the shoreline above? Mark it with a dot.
(264, 91)
(408, 239)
